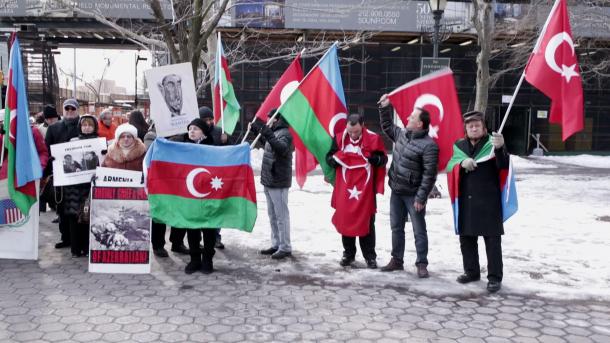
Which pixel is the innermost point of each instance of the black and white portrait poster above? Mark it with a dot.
(173, 99)
(75, 162)
(119, 229)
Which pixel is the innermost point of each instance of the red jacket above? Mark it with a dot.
(106, 131)
(41, 148)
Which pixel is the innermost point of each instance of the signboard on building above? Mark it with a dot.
(431, 64)
(132, 9)
(373, 15)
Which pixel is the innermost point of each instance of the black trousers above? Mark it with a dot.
(209, 240)
(367, 244)
(176, 236)
(157, 235)
(79, 235)
(64, 227)
(470, 256)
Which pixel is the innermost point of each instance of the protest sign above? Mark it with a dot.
(18, 233)
(75, 161)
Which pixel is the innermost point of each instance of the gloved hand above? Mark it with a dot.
(104, 152)
(374, 160)
(497, 140)
(333, 163)
(257, 125)
(469, 164)
(50, 160)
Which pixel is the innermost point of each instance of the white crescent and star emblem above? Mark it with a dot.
(216, 182)
(354, 193)
(333, 121)
(549, 55)
(431, 99)
(287, 90)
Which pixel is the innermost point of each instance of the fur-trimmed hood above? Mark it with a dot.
(115, 153)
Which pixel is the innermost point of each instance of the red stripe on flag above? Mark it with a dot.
(225, 67)
(171, 179)
(327, 103)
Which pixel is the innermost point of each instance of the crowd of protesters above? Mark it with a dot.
(412, 176)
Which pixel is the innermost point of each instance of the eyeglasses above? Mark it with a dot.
(69, 108)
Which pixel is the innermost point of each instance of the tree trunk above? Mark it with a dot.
(483, 21)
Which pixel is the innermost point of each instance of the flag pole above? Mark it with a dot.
(219, 61)
(304, 78)
(542, 32)
(253, 119)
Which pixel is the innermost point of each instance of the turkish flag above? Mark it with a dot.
(288, 82)
(356, 183)
(435, 93)
(553, 69)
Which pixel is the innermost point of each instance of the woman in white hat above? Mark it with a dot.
(127, 151)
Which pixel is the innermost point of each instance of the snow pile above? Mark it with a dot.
(591, 161)
(556, 245)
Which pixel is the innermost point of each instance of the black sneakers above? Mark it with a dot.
(269, 251)
(466, 278)
(494, 286)
(346, 261)
(280, 255)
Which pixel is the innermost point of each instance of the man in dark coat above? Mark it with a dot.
(412, 176)
(61, 132)
(479, 201)
(276, 176)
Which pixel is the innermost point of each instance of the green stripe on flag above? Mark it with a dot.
(302, 118)
(231, 111)
(180, 212)
(459, 156)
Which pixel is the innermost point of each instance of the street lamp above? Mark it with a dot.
(135, 100)
(437, 7)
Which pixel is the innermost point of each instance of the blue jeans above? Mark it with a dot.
(279, 218)
(402, 206)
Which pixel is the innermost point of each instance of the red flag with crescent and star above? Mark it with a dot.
(435, 93)
(356, 183)
(288, 82)
(553, 69)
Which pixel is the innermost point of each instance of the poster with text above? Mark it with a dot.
(75, 162)
(18, 233)
(173, 100)
(119, 232)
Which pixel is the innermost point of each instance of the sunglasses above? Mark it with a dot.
(69, 108)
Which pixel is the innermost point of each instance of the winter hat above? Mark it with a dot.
(205, 112)
(71, 102)
(49, 112)
(473, 115)
(200, 123)
(126, 128)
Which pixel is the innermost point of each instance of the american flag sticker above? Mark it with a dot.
(9, 213)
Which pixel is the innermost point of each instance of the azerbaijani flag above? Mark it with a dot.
(23, 161)
(507, 181)
(224, 95)
(200, 186)
(316, 110)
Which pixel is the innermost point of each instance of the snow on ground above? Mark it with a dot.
(591, 161)
(555, 246)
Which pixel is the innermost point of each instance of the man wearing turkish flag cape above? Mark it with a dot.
(359, 158)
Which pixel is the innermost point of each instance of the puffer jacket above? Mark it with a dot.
(276, 170)
(132, 161)
(414, 159)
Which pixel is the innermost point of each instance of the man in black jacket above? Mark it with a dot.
(61, 132)
(480, 206)
(412, 176)
(276, 176)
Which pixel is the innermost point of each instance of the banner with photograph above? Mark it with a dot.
(173, 99)
(75, 162)
(119, 233)
(18, 233)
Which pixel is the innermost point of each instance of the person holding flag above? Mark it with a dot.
(412, 177)
(276, 176)
(476, 164)
(359, 158)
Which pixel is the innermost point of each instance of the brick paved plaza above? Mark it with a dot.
(56, 300)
